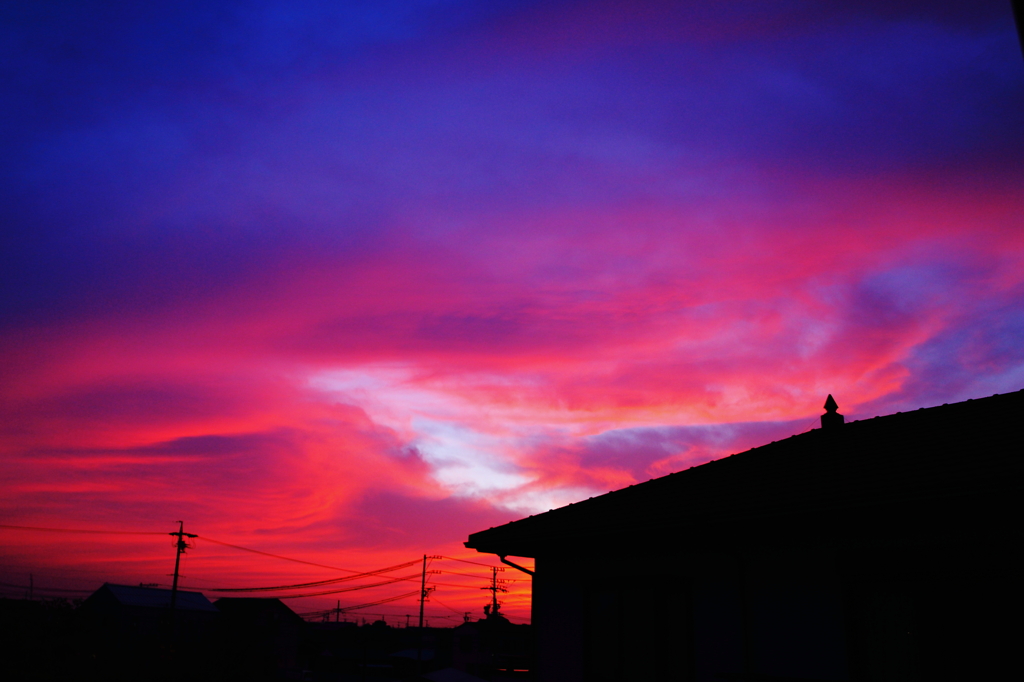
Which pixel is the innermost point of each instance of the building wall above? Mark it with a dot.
(876, 610)
(558, 607)
(796, 615)
(935, 610)
(694, 617)
(715, 615)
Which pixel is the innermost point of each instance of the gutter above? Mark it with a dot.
(505, 561)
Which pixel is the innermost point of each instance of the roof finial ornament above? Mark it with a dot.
(831, 418)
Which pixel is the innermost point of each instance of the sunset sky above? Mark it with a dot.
(346, 282)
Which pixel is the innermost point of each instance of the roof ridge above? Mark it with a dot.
(875, 454)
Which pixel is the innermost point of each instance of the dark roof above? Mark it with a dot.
(254, 607)
(451, 675)
(149, 597)
(936, 467)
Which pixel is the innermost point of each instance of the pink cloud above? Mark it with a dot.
(376, 302)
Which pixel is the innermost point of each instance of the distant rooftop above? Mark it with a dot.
(151, 597)
(255, 607)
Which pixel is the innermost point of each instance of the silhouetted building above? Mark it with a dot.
(125, 615)
(261, 635)
(450, 675)
(881, 549)
(493, 648)
(376, 651)
(131, 633)
(37, 640)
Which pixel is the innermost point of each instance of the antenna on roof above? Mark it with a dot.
(831, 418)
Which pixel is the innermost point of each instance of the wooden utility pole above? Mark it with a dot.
(181, 545)
(423, 596)
(423, 589)
(424, 592)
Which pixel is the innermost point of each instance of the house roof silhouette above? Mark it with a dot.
(150, 597)
(256, 608)
(873, 478)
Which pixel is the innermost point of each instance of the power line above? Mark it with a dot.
(475, 563)
(80, 530)
(356, 574)
(276, 556)
(347, 589)
(246, 549)
(465, 587)
(345, 609)
(415, 579)
(460, 613)
(46, 589)
(465, 575)
(324, 612)
(318, 582)
(60, 572)
(130, 532)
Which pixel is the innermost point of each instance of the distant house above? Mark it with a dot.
(264, 634)
(882, 549)
(492, 647)
(128, 617)
(376, 651)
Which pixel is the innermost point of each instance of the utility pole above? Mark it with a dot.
(181, 545)
(423, 596)
(423, 589)
(494, 591)
(424, 592)
(494, 588)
